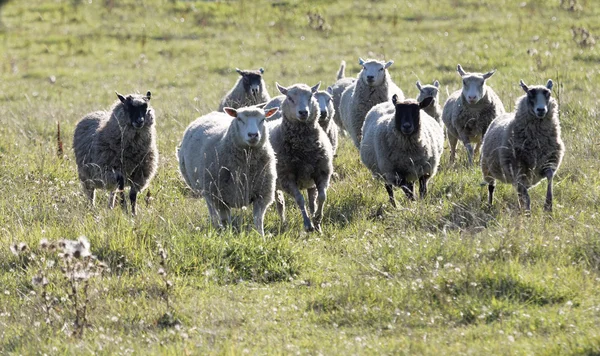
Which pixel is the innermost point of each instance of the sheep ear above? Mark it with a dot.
(550, 84)
(282, 90)
(436, 84)
(315, 88)
(230, 111)
(426, 102)
(523, 85)
(271, 112)
(361, 61)
(489, 74)
(261, 70)
(148, 95)
(460, 70)
(395, 99)
(388, 64)
(239, 71)
(330, 90)
(121, 97)
(419, 85)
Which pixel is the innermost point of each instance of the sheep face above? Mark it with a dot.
(538, 98)
(407, 119)
(325, 101)
(137, 108)
(373, 72)
(299, 101)
(473, 84)
(252, 81)
(250, 124)
(428, 91)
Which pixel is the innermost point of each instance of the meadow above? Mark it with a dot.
(444, 276)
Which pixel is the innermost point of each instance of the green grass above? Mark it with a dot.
(442, 276)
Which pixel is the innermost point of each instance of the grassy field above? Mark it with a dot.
(443, 276)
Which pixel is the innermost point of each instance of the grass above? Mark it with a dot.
(440, 276)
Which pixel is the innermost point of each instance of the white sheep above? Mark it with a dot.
(402, 144)
(304, 153)
(524, 147)
(469, 111)
(431, 90)
(373, 86)
(117, 148)
(337, 89)
(250, 89)
(228, 159)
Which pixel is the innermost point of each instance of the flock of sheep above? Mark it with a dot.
(256, 147)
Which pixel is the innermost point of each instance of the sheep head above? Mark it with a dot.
(473, 84)
(539, 98)
(137, 109)
(407, 119)
(325, 101)
(252, 81)
(374, 72)
(428, 91)
(249, 123)
(300, 102)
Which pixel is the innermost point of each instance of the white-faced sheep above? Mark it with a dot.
(373, 86)
(469, 111)
(524, 147)
(402, 145)
(431, 91)
(304, 153)
(337, 89)
(250, 89)
(228, 159)
(117, 148)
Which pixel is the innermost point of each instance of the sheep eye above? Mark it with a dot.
(291, 100)
(464, 82)
(380, 69)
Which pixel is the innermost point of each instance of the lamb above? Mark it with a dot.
(431, 90)
(373, 86)
(337, 89)
(117, 148)
(524, 147)
(227, 158)
(250, 89)
(326, 112)
(468, 112)
(402, 145)
(304, 153)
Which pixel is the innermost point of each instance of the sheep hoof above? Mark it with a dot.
(318, 228)
(548, 207)
(309, 227)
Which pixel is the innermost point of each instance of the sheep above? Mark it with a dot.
(227, 158)
(250, 89)
(431, 90)
(326, 112)
(117, 148)
(304, 153)
(469, 111)
(525, 146)
(402, 145)
(373, 86)
(337, 89)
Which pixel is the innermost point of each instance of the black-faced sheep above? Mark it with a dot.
(402, 144)
(250, 89)
(228, 159)
(304, 153)
(469, 111)
(117, 148)
(524, 147)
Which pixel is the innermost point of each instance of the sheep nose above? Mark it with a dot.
(541, 111)
(302, 113)
(252, 134)
(323, 113)
(471, 97)
(370, 77)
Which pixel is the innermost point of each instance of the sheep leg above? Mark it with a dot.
(224, 215)
(390, 190)
(293, 188)
(321, 198)
(453, 141)
(491, 187)
(212, 211)
(524, 200)
(132, 199)
(423, 185)
(470, 152)
(408, 188)
(280, 203)
(312, 200)
(121, 190)
(258, 213)
(549, 196)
